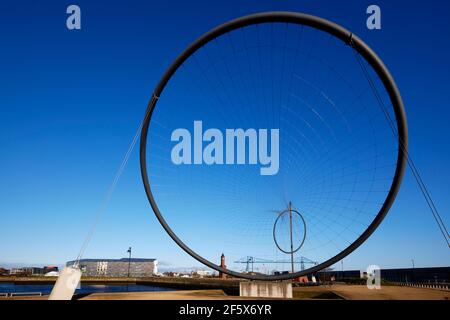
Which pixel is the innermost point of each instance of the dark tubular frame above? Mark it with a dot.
(274, 231)
(336, 31)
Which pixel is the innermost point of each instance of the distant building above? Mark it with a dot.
(117, 267)
(416, 275)
(332, 275)
(32, 271)
(48, 269)
(203, 273)
(18, 271)
(4, 271)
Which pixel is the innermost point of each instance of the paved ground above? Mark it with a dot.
(350, 292)
(361, 292)
(391, 293)
(165, 295)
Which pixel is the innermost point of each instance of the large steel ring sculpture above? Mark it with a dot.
(321, 25)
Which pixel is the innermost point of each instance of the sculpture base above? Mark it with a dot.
(266, 289)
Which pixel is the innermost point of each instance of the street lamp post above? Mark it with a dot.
(129, 261)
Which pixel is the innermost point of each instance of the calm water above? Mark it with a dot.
(85, 288)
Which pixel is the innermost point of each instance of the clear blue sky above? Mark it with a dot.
(72, 100)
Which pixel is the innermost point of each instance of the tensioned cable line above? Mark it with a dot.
(410, 161)
(110, 192)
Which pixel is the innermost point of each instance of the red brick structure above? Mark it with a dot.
(303, 279)
(222, 264)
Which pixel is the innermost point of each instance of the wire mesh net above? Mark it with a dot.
(337, 154)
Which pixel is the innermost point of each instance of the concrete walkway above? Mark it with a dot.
(162, 295)
(361, 292)
(390, 293)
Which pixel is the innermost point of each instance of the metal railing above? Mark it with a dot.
(438, 286)
(19, 294)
